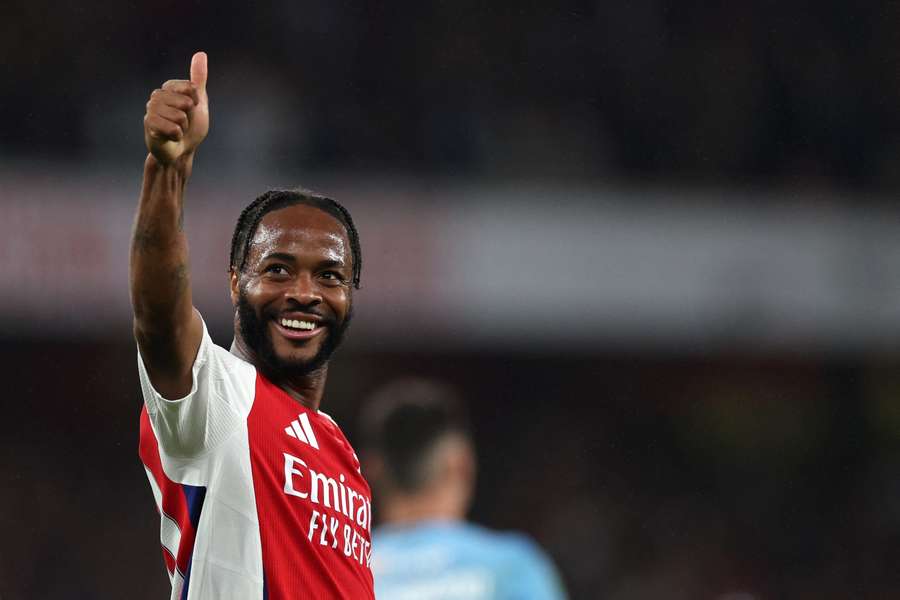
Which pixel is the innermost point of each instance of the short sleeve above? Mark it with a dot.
(221, 395)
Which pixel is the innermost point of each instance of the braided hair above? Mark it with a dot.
(250, 217)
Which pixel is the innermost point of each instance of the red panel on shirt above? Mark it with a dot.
(314, 505)
(173, 500)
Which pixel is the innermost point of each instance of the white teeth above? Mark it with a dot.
(295, 324)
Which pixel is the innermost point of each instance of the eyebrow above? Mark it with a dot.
(284, 256)
(329, 264)
(279, 256)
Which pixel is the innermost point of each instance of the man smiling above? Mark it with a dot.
(259, 493)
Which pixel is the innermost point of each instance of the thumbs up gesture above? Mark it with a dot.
(177, 118)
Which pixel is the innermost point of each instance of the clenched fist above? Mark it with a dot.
(177, 118)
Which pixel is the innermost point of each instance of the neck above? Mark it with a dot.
(307, 389)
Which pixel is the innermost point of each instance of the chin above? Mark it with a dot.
(295, 360)
(281, 367)
(297, 352)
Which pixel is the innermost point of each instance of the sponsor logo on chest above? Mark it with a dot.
(341, 516)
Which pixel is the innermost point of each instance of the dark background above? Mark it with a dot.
(650, 457)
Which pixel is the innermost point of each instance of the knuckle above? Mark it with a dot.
(174, 84)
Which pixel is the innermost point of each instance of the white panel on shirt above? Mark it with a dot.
(220, 399)
(203, 441)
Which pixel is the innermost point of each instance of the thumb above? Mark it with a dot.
(199, 70)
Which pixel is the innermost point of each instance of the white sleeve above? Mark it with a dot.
(221, 395)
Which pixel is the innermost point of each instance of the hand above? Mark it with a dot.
(177, 118)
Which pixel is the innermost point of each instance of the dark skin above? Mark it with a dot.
(167, 328)
(298, 265)
(298, 268)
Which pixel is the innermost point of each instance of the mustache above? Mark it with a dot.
(254, 330)
(325, 320)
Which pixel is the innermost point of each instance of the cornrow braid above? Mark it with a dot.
(271, 200)
(240, 240)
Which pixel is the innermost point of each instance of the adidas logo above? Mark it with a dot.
(302, 430)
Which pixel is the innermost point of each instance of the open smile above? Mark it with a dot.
(298, 329)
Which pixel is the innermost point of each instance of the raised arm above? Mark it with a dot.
(167, 328)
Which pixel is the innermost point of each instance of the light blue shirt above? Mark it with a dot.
(449, 560)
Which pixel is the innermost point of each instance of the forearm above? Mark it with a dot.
(160, 283)
(167, 329)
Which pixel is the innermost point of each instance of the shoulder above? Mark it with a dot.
(471, 539)
(524, 548)
(531, 572)
(225, 375)
(511, 552)
(224, 359)
(333, 428)
(221, 395)
(212, 363)
(512, 545)
(334, 431)
(330, 422)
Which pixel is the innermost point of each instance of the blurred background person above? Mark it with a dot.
(419, 458)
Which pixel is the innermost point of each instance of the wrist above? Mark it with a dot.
(181, 166)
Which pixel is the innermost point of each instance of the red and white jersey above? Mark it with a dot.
(259, 497)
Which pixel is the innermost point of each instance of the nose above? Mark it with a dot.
(304, 290)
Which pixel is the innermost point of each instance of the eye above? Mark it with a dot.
(276, 270)
(332, 278)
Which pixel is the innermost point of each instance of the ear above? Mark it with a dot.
(459, 461)
(233, 282)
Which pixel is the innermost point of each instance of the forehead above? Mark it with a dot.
(300, 229)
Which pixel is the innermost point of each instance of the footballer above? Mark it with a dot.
(259, 493)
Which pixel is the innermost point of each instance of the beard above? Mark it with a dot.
(258, 339)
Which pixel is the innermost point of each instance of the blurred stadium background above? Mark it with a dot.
(656, 243)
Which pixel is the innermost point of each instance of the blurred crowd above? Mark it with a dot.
(651, 91)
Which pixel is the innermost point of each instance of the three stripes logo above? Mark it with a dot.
(301, 429)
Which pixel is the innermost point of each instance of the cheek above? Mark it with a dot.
(339, 300)
(258, 294)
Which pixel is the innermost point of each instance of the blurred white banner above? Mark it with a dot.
(519, 267)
